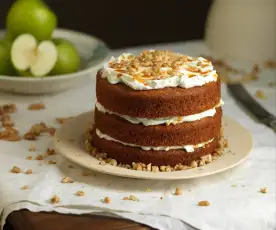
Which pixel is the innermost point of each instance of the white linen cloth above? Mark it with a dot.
(232, 207)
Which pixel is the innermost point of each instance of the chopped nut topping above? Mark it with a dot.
(148, 190)
(29, 171)
(32, 148)
(107, 200)
(52, 162)
(177, 192)
(263, 190)
(55, 199)
(67, 180)
(29, 157)
(16, 170)
(260, 94)
(80, 193)
(203, 203)
(152, 64)
(37, 106)
(70, 166)
(233, 185)
(25, 187)
(39, 157)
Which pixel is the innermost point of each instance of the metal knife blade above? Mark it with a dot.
(242, 96)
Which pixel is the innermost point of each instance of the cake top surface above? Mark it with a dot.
(153, 69)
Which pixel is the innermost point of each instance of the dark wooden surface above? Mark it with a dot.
(26, 220)
(128, 23)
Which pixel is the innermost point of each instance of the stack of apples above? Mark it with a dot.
(29, 49)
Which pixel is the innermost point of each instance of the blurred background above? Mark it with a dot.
(129, 23)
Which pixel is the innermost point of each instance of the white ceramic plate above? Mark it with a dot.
(69, 142)
(93, 54)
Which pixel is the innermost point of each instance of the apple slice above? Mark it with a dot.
(29, 56)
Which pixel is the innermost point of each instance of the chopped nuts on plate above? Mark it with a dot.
(106, 200)
(36, 106)
(67, 180)
(203, 203)
(263, 190)
(80, 193)
(15, 169)
(55, 199)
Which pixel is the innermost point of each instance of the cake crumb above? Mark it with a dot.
(67, 180)
(106, 200)
(203, 203)
(80, 193)
(16, 169)
(32, 148)
(52, 162)
(25, 187)
(29, 157)
(55, 199)
(29, 171)
(263, 190)
(260, 94)
(36, 106)
(177, 192)
(125, 198)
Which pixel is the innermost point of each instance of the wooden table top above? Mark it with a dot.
(26, 220)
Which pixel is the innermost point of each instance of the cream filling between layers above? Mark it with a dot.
(188, 148)
(165, 120)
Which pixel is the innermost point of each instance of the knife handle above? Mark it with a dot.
(271, 122)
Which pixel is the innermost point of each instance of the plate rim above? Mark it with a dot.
(134, 174)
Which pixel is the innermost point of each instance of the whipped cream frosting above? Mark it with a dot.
(188, 148)
(165, 120)
(190, 73)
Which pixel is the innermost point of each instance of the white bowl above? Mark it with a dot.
(93, 54)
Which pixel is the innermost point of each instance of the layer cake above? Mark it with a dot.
(159, 108)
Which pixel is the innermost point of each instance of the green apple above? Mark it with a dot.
(68, 57)
(6, 67)
(32, 17)
(31, 58)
